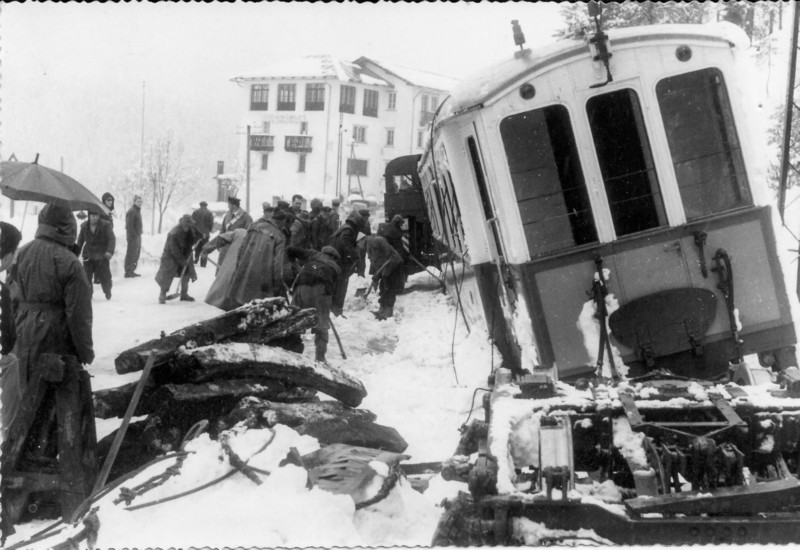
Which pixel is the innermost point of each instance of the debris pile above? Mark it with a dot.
(232, 369)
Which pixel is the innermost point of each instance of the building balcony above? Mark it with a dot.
(298, 144)
(262, 143)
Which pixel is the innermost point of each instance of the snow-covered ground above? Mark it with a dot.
(405, 363)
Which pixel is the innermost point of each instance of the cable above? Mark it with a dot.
(472, 405)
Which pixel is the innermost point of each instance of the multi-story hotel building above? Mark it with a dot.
(323, 127)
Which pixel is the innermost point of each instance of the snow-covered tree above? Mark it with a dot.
(165, 174)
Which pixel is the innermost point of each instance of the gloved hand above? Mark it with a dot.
(375, 281)
(108, 255)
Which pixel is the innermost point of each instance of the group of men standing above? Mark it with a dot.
(305, 255)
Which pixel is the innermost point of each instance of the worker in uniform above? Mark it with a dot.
(314, 287)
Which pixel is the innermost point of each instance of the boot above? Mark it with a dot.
(185, 291)
(186, 298)
(162, 297)
(321, 347)
(380, 315)
(388, 312)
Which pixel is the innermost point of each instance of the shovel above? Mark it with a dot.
(364, 292)
(178, 293)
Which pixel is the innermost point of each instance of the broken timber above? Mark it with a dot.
(241, 360)
(260, 320)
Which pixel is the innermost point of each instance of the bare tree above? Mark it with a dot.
(166, 174)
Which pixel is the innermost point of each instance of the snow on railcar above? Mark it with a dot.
(606, 199)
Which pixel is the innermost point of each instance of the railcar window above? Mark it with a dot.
(702, 141)
(626, 163)
(548, 180)
(477, 167)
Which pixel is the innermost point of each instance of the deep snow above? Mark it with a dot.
(405, 364)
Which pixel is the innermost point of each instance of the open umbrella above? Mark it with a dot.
(30, 181)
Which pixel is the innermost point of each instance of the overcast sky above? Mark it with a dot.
(72, 73)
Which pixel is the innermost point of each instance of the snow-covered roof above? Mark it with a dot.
(416, 77)
(325, 67)
(483, 85)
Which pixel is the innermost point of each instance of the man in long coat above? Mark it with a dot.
(314, 287)
(204, 220)
(386, 268)
(218, 292)
(234, 218)
(51, 295)
(133, 234)
(96, 240)
(259, 262)
(344, 241)
(176, 259)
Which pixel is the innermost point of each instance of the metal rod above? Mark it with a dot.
(247, 169)
(115, 446)
(787, 123)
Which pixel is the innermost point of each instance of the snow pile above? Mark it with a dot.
(589, 326)
(629, 444)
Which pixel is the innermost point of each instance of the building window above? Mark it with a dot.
(264, 161)
(347, 100)
(390, 137)
(370, 103)
(303, 128)
(356, 167)
(286, 97)
(420, 138)
(315, 97)
(301, 163)
(427, 108)
(259, 96)
(360, 134)
(392, 101)
(265, 128)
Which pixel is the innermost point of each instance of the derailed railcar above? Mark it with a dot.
(606, 201)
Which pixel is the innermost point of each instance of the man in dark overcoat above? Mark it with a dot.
(177, 259)
(386, 268)
(344, 241)
(314, 287)
(51, 295)
(96, 241)
(133, 235)
(204, 220)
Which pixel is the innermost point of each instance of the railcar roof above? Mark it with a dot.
(481, 87)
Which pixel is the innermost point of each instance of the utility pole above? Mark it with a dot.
(247, 172)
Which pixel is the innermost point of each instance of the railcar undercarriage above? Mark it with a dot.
(656, 460)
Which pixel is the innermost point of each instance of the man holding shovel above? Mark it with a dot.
(176, 260)
(314, 287)
(386, 268)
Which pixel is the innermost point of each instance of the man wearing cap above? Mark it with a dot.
(235, 217)
(386, 268)
(133, 233)
(204, 220)
(344, 241)
(361, 266)
(334, 219)
(176, 259)
(314, 287)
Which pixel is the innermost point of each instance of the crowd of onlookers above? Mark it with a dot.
(307, 256)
